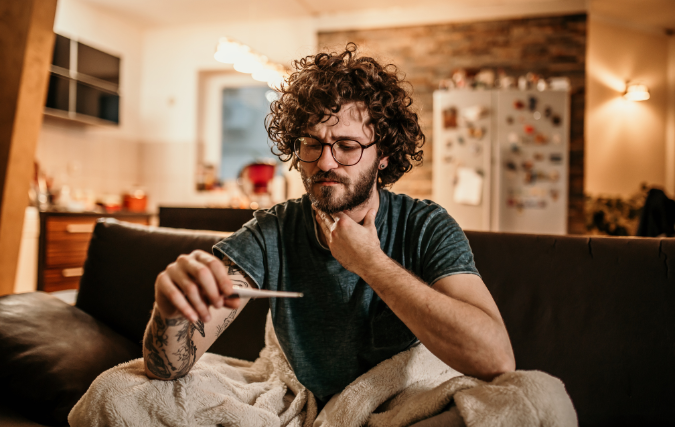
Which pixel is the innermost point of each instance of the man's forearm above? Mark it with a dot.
(169, 349)
(464, 336)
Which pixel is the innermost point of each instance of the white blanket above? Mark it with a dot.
(410, 387)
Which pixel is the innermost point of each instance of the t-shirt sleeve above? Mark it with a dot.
(446, 249)
(246, 248)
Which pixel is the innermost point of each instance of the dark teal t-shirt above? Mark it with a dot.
(341, 328)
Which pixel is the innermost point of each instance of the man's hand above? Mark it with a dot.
(352, 244)
(192, 284)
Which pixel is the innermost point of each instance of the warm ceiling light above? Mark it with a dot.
(229, 51)
(265, 73)
(249, 63)
(636, 92)
(246, 61)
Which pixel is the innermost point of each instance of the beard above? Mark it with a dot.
(326, 199)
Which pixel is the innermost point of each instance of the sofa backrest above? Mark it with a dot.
(596, 312)
(117, 286)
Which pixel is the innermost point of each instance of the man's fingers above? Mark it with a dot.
(170, 291)
(202, 275)
(220, 272)
(192, 291)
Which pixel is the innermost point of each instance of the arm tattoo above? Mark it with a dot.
(156, 334)
(221, 328)
(157, 339)
(156, 342)
(232, 270)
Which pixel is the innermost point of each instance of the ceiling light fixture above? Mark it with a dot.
(246, 61)
(636, 92)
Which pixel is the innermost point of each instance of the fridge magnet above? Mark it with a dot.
(536, 115)
(528, 165)
(448, 144)
(474, 113)
(514, 147)
(469, 188)
(556, 120)
(450, 118)
(547, 112)
(554, 176)
(460, 139)
(540, 139)
(555, 193)
(556, 157)
(475, 132)
(518, 104)
(513, 137)
(532, 103)
(541, 176)
(510, 165)
(509, 120)
(556, 138)
(530, 177)
(529, 129)
(538, 156)
(541, 85)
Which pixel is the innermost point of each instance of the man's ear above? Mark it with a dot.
(384, 161)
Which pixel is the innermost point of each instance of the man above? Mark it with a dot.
(379, 271)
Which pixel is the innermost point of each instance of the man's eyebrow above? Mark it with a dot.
(337, 137)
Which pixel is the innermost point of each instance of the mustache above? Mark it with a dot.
(327, 176)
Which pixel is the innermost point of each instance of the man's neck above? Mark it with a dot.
(358, 214)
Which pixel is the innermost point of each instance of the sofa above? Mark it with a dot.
(596, 312)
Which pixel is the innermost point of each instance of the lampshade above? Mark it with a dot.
(636, 92)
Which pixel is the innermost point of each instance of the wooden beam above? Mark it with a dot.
(26, 43)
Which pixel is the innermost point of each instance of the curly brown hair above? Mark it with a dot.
(326, 81)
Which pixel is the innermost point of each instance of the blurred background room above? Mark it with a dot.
(541, 116)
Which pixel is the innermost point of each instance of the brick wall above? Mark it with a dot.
(548, 46)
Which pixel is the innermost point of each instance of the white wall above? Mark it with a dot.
(625, 140)
(103, 159)
(173, 58)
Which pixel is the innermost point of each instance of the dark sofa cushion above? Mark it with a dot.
(117, 286)
(596, 312)
(50, 352)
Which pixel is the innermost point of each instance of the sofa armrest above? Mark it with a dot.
(50, 352)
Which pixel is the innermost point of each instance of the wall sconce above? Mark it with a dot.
(636, 92)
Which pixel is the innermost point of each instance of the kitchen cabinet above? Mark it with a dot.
(64, 240)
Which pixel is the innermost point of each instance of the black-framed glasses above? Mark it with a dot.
(346, 152)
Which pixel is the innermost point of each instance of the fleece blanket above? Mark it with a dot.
(412, 388)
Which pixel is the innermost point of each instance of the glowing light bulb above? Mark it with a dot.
(636, 92)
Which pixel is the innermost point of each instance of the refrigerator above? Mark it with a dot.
(501, 158)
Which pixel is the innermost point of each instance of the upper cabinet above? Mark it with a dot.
(83, 83)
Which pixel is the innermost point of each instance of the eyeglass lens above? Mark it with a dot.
(345, 152)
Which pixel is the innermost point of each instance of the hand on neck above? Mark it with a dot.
(357, 215)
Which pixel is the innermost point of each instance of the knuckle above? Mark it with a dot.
(190, 288)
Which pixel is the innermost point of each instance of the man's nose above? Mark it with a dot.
(326, 161)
